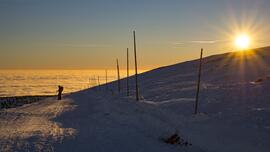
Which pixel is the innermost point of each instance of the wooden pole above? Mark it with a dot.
(106, 77)
(136, 70)
(118, 76)
(95, 82)
(98, 81)
(198, 83)
(89, 84)
(127, 73)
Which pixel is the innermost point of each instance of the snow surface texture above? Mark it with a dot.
(234, 112)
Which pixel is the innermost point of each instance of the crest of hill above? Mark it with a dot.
(227, 67)
(218, 71)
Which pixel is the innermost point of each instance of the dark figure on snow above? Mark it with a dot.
(60, 90)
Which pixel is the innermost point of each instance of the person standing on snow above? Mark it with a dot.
(60, 90)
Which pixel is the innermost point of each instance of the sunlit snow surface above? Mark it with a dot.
(31, 127)
(234, 112)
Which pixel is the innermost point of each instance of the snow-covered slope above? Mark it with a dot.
(234, 112)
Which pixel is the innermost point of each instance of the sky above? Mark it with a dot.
(91, 34)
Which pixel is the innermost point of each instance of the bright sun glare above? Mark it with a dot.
(242, 41)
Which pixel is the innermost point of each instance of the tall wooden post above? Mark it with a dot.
(89, 84)
(95, 82)
(98, 81)
(136, 70)
(118, 76)
(198, 83)
(106, 79)
(127, 73)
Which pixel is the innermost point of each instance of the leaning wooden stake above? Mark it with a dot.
(118, 76)
(136, 70)
(127, 73)
(198, 84)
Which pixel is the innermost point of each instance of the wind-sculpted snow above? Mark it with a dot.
(31, 128)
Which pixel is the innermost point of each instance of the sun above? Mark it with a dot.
(242, 41)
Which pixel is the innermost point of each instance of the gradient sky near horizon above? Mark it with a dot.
(93, 33)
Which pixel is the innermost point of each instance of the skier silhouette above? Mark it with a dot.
(60, 90)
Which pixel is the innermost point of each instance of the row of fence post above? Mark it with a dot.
(136, 71)
(136, 75)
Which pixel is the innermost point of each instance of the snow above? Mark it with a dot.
(234, 113)
(30, 127)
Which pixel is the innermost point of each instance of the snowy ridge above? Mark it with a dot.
(234, 112)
